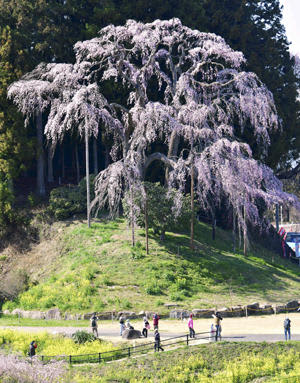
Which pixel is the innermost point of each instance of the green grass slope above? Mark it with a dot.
(210, 363)
(97, 270)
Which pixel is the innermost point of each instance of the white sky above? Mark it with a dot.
(291, 21)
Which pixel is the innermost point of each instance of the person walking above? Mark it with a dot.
(191, 326)
(217, 320)
(156, 318)
(287, 328)
(94, 324)
(122, 324)
(32, 348)
(157, 345)
(145, 327)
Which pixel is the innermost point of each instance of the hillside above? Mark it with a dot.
(79, 270)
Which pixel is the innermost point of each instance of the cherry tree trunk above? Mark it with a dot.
(77, 164)
(95, 156)
(107, 160)
(245, 233)
(50, 165)
(192, 208)
(87, 176)
(287, 215)
(41, 190)
(233, 233)
(132, 219)
(213, 225)
(277, 217)
(62, 155)
(146, 223)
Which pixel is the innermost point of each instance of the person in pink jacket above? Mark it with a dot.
(191, 326)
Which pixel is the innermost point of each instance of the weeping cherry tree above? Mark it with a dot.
(182, 91)
(71, 103)
(186, 90)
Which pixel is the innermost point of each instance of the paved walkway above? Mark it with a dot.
(113, 334)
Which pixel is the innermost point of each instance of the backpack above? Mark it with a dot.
(94, 323)
(286, 323)
(121, 321)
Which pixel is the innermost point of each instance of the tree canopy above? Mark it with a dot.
(45, 30)
(182, 89)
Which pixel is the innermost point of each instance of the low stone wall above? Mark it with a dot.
(177, 313)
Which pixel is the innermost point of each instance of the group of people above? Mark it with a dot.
(125, 325)
(215, 330)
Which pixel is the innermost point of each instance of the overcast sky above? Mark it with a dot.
(291, 21)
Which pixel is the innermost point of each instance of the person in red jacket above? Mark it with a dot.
(155, 321)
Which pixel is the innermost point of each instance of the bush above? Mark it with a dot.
(138, 251)
(163, 215)
(176, 296)
(153, 289)
(66, 201)
(81, 337)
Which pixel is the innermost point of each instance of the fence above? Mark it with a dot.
(124, 352)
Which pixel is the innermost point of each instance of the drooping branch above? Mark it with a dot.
(289, 173)
(158, 157)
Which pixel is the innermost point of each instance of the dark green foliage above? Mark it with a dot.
(66, 201)
(82, 336)
(161, 214)
(255, 28)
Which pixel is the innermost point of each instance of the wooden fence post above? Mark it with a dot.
(187, 340)
(99, 357)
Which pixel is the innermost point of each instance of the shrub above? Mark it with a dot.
(81, 337)
(153, 289)
(125, 304)
(138, 251)
(66, 201)
(177, 296)
(161, 214)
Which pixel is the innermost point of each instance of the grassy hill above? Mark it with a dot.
(80, 270)
(210, 363)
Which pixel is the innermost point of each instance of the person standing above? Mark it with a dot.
(122, 323)
(145, 327)
(191, 326)
(94, 324)
(287, 328)
(217, 319)
(32, 348)
(157, 345)
(155, 321)
(212, 332)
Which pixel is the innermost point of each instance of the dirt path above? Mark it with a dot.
(260, 328)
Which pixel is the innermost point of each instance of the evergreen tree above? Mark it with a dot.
(255, 28)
